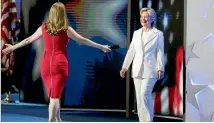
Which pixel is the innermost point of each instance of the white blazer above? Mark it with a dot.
(148, 55)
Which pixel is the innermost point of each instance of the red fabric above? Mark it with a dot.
(174, 102)
(54, 64)
(179, 63)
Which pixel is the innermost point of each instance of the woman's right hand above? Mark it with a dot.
(10, 48)
(122, 72)
(105, 48)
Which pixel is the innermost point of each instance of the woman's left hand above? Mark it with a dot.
(160, 74)
(10, 48)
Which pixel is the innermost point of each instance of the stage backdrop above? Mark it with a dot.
(93, 80)
(168, 93)
(199, 60)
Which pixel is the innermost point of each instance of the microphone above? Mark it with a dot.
(114, 47)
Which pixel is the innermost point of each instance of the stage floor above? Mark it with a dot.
(23, 112)
(26, 112)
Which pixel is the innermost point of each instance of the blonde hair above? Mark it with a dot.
(57, 19)
(151, 13)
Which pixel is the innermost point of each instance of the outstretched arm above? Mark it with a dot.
(24, 42)
(30, 39)
(75, 36)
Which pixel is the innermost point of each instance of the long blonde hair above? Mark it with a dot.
(57, 19)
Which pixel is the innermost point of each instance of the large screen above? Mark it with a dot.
(94, 80)
(199, 60)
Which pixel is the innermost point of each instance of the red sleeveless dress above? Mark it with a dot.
(54, 64)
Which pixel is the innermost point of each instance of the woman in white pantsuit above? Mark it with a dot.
(147, 53)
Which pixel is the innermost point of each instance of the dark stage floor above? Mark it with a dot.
(25, 112)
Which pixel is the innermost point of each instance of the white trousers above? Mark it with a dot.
(143, 89)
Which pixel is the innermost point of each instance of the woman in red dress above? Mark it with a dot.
(54, 64)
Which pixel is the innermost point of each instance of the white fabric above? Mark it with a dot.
(146, 35)
(147, 55)
(143, 89)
